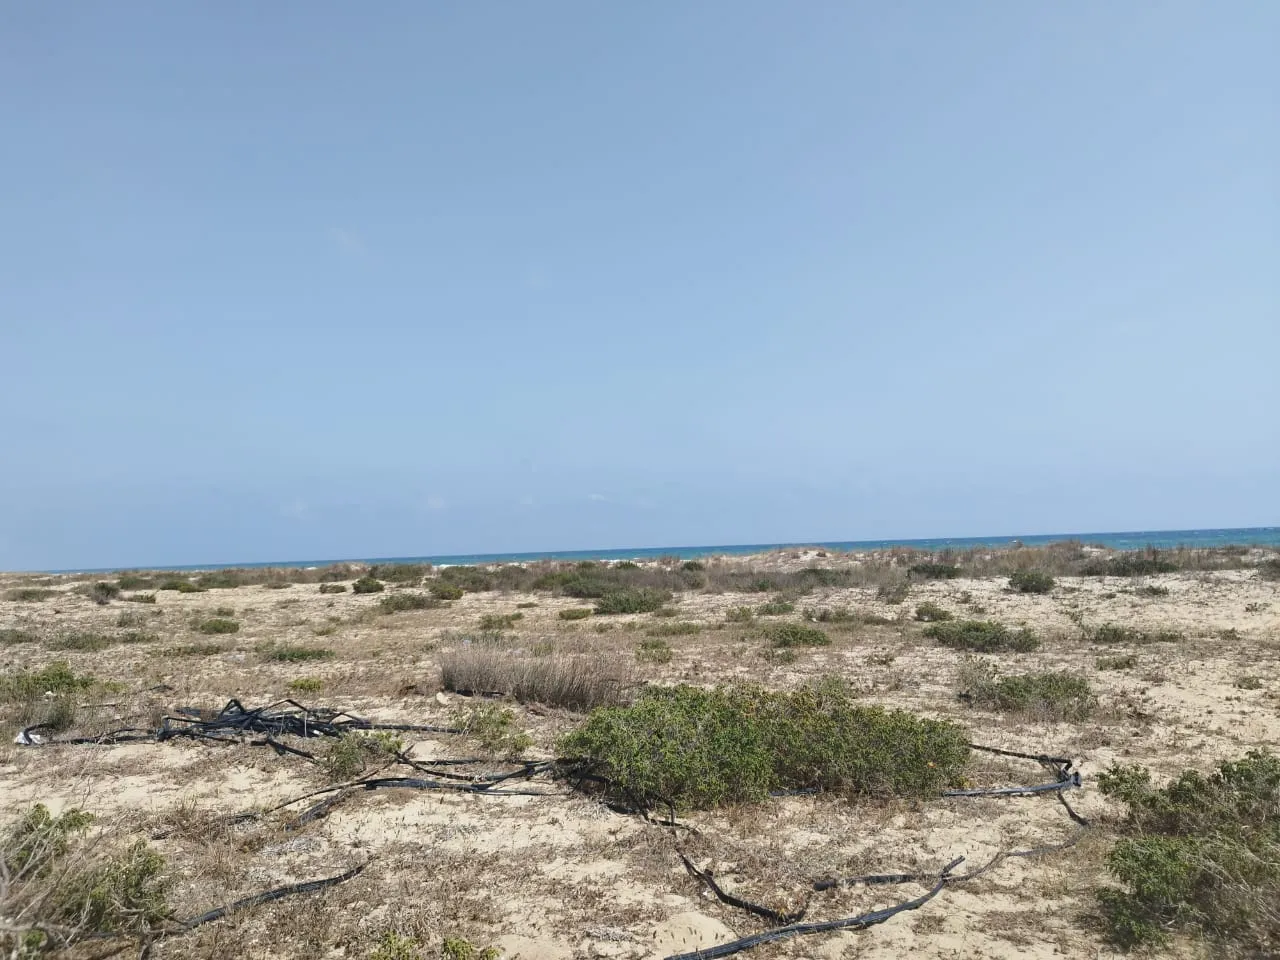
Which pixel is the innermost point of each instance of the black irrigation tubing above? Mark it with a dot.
(773, 916)
(859, 922)
(309, 886)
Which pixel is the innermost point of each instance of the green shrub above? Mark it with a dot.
(641, 600)
(456, 948)
(1031, 581)
(1112, 633)
(1152, 590)
(86, 641)
(575, 613)
(1247, 682)
(181, 585)
(333, 588)
(400, 602)
(207, 649)
(1269, 569)
(292, 653)
(693, 566)
(1139, 563)
(103, 593)
(306, 685)
(442, 590)
(740, 615)
(216, 625)
(400, 572)
(982, 636)
(140, 598)
(831, 615)
(626, 565)
(794, 635)
(1049, 695)
(680, 628)
(131, 618)
(470, 579)
(134, 581)
(56, 678)
(1126, 662)
(352, 753)
(494, 729)
(654, 650)
(14, 635)
(499, 621)
(526, 605)
(934, 570)
(1201, 854)
(367, 584)
(932, 613)
(396, 946)
(701, 748)
(775, 608)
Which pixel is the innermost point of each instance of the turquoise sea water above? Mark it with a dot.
(1131, 540)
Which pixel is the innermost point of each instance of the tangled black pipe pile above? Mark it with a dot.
(236, 723)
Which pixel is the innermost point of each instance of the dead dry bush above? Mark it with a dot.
(576, 683)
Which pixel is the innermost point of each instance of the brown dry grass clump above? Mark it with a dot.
(574, 682)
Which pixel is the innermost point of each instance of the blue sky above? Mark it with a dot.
(323, 280)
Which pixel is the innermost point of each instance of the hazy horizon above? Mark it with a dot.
(327, 281)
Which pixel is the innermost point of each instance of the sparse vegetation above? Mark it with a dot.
(140, 598)
(493, 729)
(1269, 569)
(1031, 581)
(933, 570)
(443, 590)
(982, 636)
(1201, 854)
(1124, 662)
(103, 593)
(893, 593)
(679, 628)
(367, 584)
(702, 748)
(1139, 563)
(499, 621)
(928, 612)
(1114, 633)
(216, 625)
(654, 650)
(333, 588)
(794, 635)
(306, 685)
(740, 615)
(180, 585)
(352, 754)
(29, 594)
(207, 649)
(1049, 695)
(575, 613)
(293, 653)
(1151, 590)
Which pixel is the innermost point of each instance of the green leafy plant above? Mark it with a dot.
(775, 608)
(701, 748)
(1048, 695)
(933, 570)
(929, 612)
(654, 650)
(1031, 581)
(641, 600)
(292, 653)
(103, 593)
(306, 685)
(367, 584)
(140, 598)
(739, 615)
(402, 601)
(982, 636)
(494, 729)
(499, 621)
(1114, 633)
(893, 593)
(333, 588)
(216, 625)
(443, 590)
(794, 635)
(1200, 854)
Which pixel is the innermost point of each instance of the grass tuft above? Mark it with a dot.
(982, 636)
(1050, 695)
(218, 625)
(576, 683)
(1031, 581)
(794, 635)
(641, 600)
(400, 602)
(928, 612)
(575, 613)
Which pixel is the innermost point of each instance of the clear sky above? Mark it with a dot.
(317, 280)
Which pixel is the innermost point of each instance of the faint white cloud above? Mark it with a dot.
(598, 497)
(296, 509)
(346, 241)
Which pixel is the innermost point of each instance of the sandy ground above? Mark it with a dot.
(561, 876)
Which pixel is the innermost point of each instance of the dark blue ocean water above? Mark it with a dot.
(1131, 540)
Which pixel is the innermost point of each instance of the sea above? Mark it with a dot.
(1126, 540)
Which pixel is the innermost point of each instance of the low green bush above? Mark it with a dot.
(402, 601)
(1269, 569)
(934, 570)
(1199, 855)
(443, 590)
(367, 584)
(1114, 633)
(693, 566)
(701, 748)
(654, 650)
(14, 635)
(794, 635)
(493, 729)
(333, 588)
(739, 615)
(181, 585)
(135, 581)
(1031, 581)
(140, 598)
(575, 613)
(1050, 695)
(499, 621)
(1126, 662)
(103, 593)
(1152, 590)
(56, 678)
(928, 612)
(641, 600)
(216, 625)
(29, 594)
(471, 579)
(680, 628)
(292, 653)
(982, 636)
(893, 593)
(775, 608)
(400, 572)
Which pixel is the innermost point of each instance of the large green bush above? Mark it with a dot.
(1201, 854)
(700, 748)
(1031, 581)
(642, 600)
